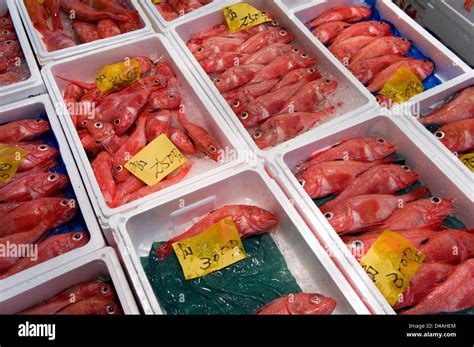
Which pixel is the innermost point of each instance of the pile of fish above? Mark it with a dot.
(359, 173)
(173, 9)
(31, 202)
(456, 119)
(88, 298)
(67, 23)
(251, 221)
(13, 66)
(122, 122)
(367, 48)
(270, 83)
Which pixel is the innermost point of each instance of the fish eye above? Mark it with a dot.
(304, 55)
(404, 39)
(98, 143)
(104, 289)
(9, 42)
(117, 121)
(98, 125)
(316, 300)
(311, 70)
(329, 215)
(296, 50)
(381, 141)
(77, 237)
(275, 23)
(90, 153)
(38, 120)
(119, 168)
(283, 32)
(84, 122)
(5, 32)
(258, 134)
(435, 200)
(52, 178)
(110, 309)
(302, 182)
(200, 49)
(380, 22)
(440, 135)
(357, 244)
(4, 20)
(236, 103)
(244, 115)
(406, 168)
(42, 148)
(212, 149)
(328, 81)
(217, 80)
(156, 82)
(171, 97)
(64, 202)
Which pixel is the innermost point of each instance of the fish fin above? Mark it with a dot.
(415, 194)
(370, 216)
(164, 250)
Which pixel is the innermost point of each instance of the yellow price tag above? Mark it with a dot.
(116, 76)
(157, 1)
(213, 249)
(391, 264)
(10, 159)
(41, 2)
(468, 160)
(403, 85)
(242, 16)
(156, 161)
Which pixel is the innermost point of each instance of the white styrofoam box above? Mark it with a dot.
(355, 98)
(447, 64)
(421, 157)
(100, 264)
(161, 25)
(31, 108)
(291, 4)
(45, 57)
(159, 221)
(34, 84)
(85, 67)
(426, 103)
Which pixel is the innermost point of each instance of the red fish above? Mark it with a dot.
(327, 32)
(369, 28)
(428, 276)
(297, 75)
(219, 62)
(102, 133)
(23, 130)
(108, 28)
(268, 105)
(116, 7)
(9, 48)
(86, 32)
(215, 45)
(454, 294)
(299, 304)
(6, 35)
(49, 248)
(310, 96)
(96, 305)
(38, 154)
(236, 77)
(166, 11)
(348, 14)
(450, 246)
(363, 149)
(134, 144)
(422, 69)
(33, 186)
(360, 244)
(54, 9)
(201, 138)
(383, 46)
(282, 65)
(239, 98)
(461, 107)
(47, 213)
(88, 13)
(364, 211)
(382, 179)
(72, 295)
(8, 207)
(365, 70)
(103, 171)
(124, 189)
(331, 177)
(166, 99)
(38, 15)
(249, 221)
(182, 141)
(458, 136)
(168, 182)
(126, 27)
(158, 123)
(284, 127)
(425, 213)
(6, 22)
(56, 40)
(344, 51)
(269, 53)
(129, 110)
(265, 38)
